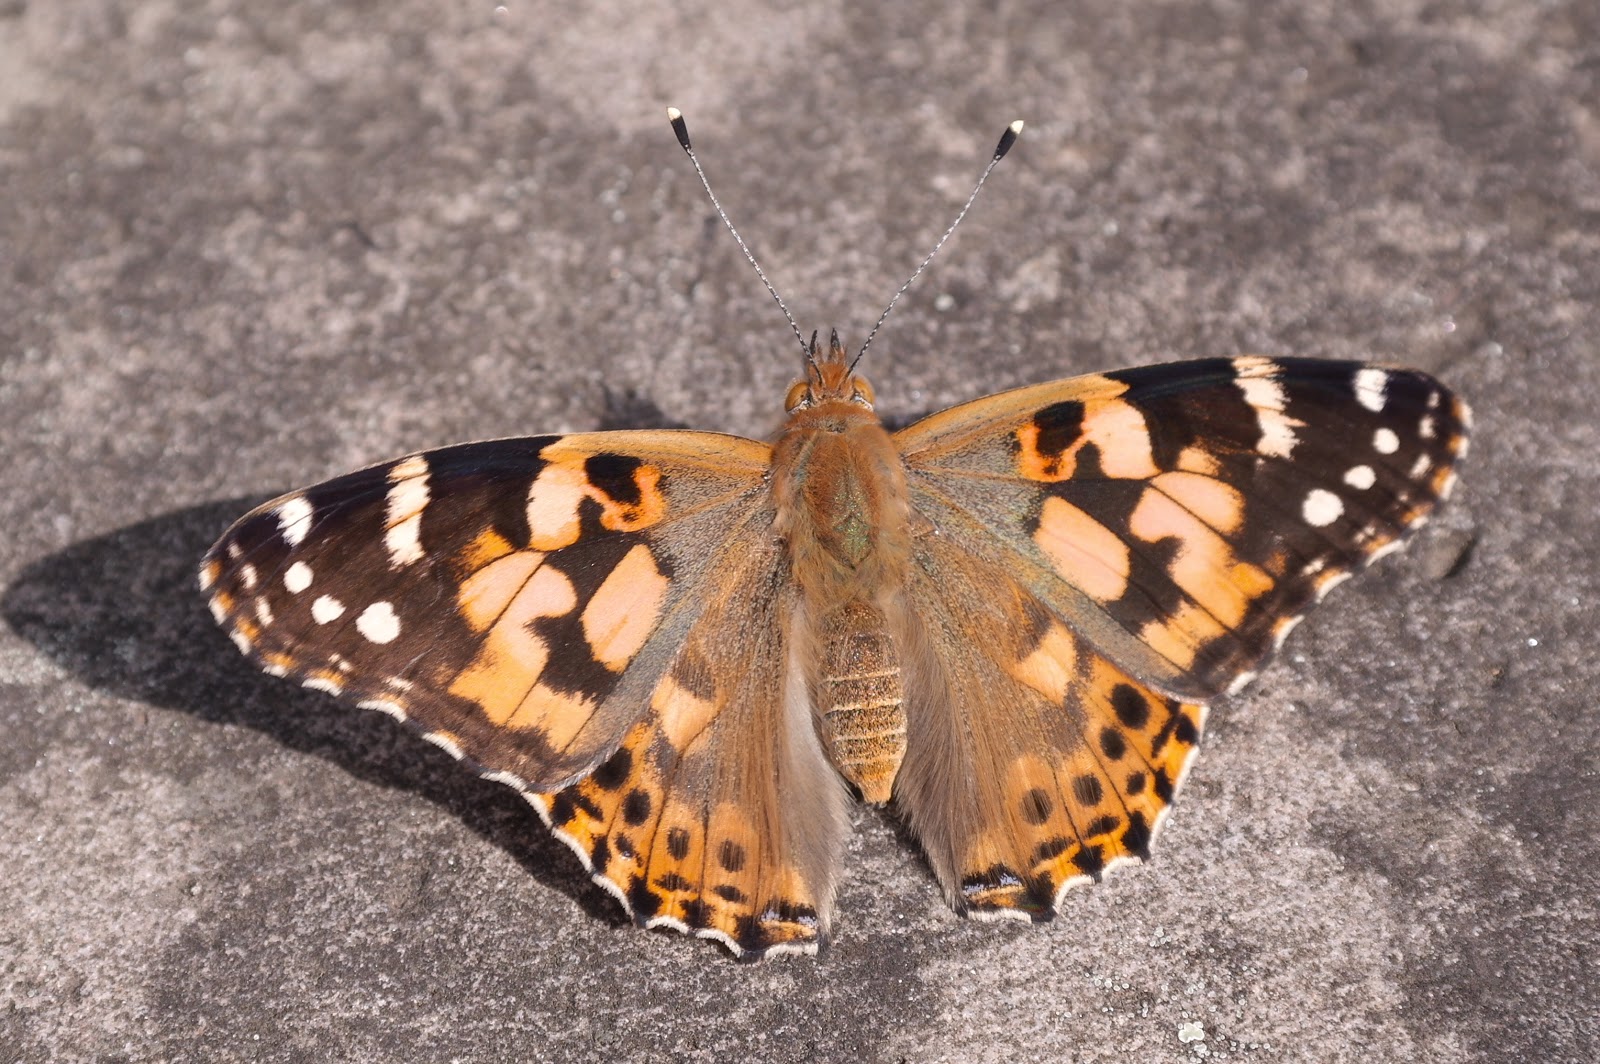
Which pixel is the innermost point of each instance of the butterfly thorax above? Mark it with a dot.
(839, 493)
(842, 510)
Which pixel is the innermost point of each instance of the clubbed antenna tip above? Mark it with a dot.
(680, 129)
(1008, 138)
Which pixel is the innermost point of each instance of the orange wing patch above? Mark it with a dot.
(556, 499)
(624, 610)
(1086, 553)
(683, 714)
(513, 655)
(1219, 585)
(1052, 442)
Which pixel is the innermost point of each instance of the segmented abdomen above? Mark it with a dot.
(861, 699)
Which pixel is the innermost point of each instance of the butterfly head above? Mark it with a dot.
(829, 378)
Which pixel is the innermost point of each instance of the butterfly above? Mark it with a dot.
(690, 652)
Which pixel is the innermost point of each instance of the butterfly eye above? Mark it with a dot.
(863, 393)
(799, 395)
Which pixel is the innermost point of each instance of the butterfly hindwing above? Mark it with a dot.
(720, 815)
(517, 600)
(1068, 763)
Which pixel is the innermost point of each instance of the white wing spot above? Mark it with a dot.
(537, 800)
(415, 465)
(218, 613)
(240, 640)
(384, 705)
(403, 508)
(1360, 477)
(263, 612)
(598, 878)
(1386, 550)
(297, 577)
(1322, 508)
(1258, 381)
(677, 925)
(1420, 466)
(1285, 626)
(1277, 433)
(1329, 582)
(248, 574)
(378, 623)
(319, 683)
(445, 743)
(1425, 427)
(1384, 441)
(294, 519)
(326, 609)
(1370, 387)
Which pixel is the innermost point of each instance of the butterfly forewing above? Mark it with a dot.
(517, 600)
(1183, 516)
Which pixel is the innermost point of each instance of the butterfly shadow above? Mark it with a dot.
(123, 613)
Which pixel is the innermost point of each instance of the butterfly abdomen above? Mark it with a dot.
(861, 699)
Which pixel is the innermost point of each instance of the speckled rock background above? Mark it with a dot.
(245, 247)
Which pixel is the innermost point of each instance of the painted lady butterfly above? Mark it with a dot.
(687, 649)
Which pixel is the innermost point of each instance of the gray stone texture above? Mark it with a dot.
(244, 247)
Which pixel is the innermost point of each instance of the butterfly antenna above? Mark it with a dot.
(681, 129)
(1008, 138)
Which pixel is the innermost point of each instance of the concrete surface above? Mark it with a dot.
(249, 246)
